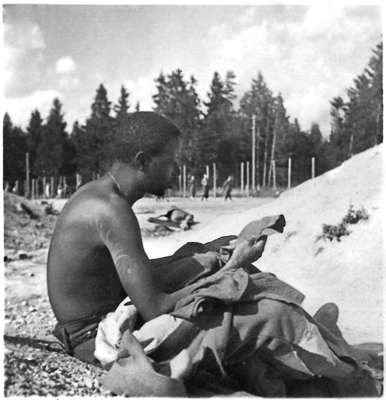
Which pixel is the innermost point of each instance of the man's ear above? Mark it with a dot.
(141, 160)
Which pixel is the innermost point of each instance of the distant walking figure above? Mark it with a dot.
(192, 186)
(205, 186)
(227, 187)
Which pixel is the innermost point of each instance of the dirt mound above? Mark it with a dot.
(27, 226)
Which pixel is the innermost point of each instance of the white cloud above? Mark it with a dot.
(24, 37)
(247, 16)
(308, 61)
(69, 82)
(320, 18)
(245, 49)
(141, 90)
(23, 45)
(217, 32)
(20, 108)
(36, 39)
(65, 65)
(10, 55)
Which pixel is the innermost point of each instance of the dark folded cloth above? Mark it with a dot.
(242, 330)
(73, 333)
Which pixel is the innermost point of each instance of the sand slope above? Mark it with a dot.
(347, 272)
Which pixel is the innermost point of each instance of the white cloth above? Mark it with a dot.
(111, 328)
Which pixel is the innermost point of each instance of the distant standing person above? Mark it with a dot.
(15, 188)
(227, 187)
(59, 192)
(205, 186)
(47, 191)
(66, 190)
(192, 186)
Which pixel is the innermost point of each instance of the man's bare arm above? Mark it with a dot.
(119, 231)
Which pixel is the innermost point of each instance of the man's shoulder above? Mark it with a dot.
(94, 200)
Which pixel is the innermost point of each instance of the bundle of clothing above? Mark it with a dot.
(239, 331)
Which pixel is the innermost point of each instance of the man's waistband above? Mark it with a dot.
(73, 333)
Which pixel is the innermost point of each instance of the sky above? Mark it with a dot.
(308, 53)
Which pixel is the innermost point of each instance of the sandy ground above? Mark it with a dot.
(348, 272)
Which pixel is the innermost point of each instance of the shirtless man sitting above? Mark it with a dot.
(96, 256)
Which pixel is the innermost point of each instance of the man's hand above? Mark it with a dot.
(246, 251)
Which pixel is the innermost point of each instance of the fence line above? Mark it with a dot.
(50, 187)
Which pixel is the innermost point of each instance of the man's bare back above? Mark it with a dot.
(82, 278)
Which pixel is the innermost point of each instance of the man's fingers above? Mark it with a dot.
(131, 346)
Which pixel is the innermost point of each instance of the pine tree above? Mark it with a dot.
(122, 108)
(14, 149)
(316, 136)
(300, 150)
(375, 74)
(278, 152)
(162, 98)
(94, 155)
(356, 123)
(230, 87)
(216, 135)
(177, 99)
(101, 107)
(120, 122)
(219, 103)
(34, 137)
(319, 149)
(336, 113)
(83, 158)
(337, 137)
(51, 158)
(68, 167)
(259, 102)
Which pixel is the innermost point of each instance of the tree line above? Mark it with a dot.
(213, 130)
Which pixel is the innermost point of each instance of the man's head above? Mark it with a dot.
(150, 143)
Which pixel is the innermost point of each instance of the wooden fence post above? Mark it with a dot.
(274, 173)
(184, 180)
(253, 152)
(180, 181)
(242, 178)
(247, 185)
(289, 172)
(27, 177)
(44, 186)
(312, 167)
(52, 187)
(214, 180)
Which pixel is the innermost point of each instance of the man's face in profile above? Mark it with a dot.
(163, 170)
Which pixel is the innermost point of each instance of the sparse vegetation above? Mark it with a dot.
(353, 216)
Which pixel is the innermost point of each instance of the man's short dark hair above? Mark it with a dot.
(144, 131)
